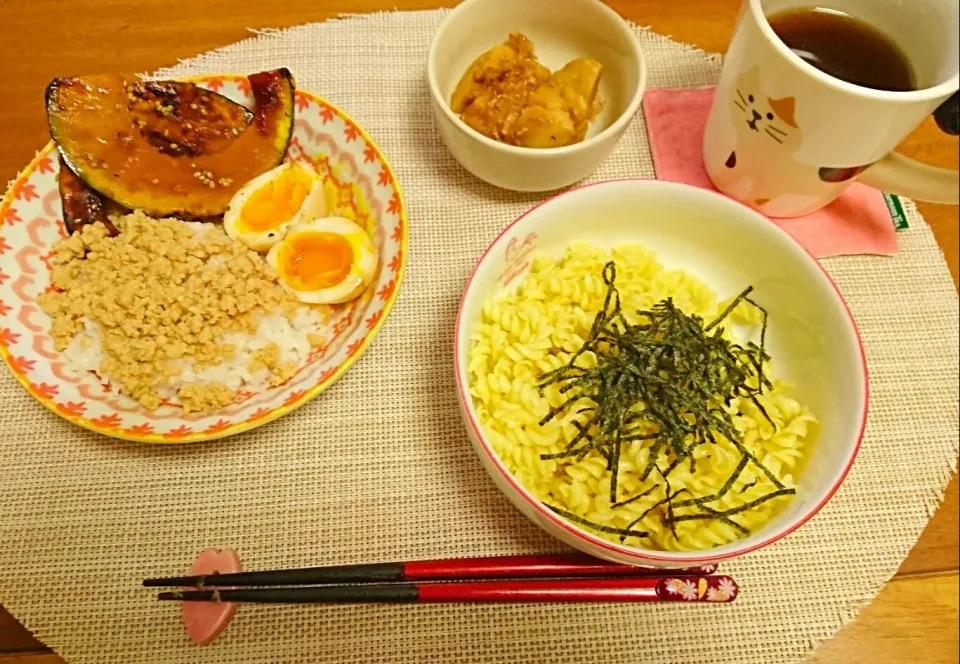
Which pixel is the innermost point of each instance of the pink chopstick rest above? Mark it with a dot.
(203, 621)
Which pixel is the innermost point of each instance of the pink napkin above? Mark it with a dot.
(859, 222)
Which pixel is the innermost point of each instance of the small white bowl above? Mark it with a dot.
(560, 30)
(811, 336)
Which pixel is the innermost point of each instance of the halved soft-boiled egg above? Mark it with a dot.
(262, 210)
(325, 261)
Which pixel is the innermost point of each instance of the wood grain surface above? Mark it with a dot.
(915, 617)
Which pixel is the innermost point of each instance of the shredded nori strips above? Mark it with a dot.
(670, 373)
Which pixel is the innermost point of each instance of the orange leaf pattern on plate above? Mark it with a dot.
(108, 421)
(350, 133)
(387, 291)
(326, 113)
(219, 425)
(327, 374)
(46, 390)
(22, 365)
(396, 262)
(10, 217)
(7, 338)
(354, 347)
(27, 193)
(259, 414)
(139, 430)
(72, 408)
(372, 321)
(394, 206)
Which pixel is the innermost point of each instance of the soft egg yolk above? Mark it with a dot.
(313, 261)
(276, 202)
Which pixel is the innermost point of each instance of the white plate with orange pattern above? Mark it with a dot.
(359, 184)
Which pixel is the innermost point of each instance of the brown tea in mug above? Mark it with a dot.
(844, 47)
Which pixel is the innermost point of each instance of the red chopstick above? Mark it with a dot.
(714, 589)
(499, 567)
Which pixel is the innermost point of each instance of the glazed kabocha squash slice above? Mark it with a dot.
(83, 206)
(168, 147)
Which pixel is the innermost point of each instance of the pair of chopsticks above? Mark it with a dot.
(545, 578)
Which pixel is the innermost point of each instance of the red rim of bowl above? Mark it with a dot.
(636, 552)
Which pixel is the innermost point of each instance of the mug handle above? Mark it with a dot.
(906, 177)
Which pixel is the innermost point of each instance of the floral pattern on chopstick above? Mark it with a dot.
(698, 589)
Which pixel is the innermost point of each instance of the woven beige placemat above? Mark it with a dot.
(379, 468)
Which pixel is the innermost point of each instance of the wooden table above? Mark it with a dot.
(916, 613)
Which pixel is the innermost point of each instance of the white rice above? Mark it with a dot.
(84, 353)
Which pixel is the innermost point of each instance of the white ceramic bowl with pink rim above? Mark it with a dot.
(811, 335)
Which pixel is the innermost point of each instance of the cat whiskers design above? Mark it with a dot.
(773, 136)
(743, 106)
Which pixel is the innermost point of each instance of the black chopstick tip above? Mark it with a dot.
(176, 581)
(170, 595)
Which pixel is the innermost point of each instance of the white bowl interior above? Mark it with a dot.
(560, 30)
(811, 337)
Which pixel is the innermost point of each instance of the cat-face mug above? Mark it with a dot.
(787, 138)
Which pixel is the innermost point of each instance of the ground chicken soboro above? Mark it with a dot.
(163, 297)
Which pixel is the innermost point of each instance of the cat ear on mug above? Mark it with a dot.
(784, 109)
